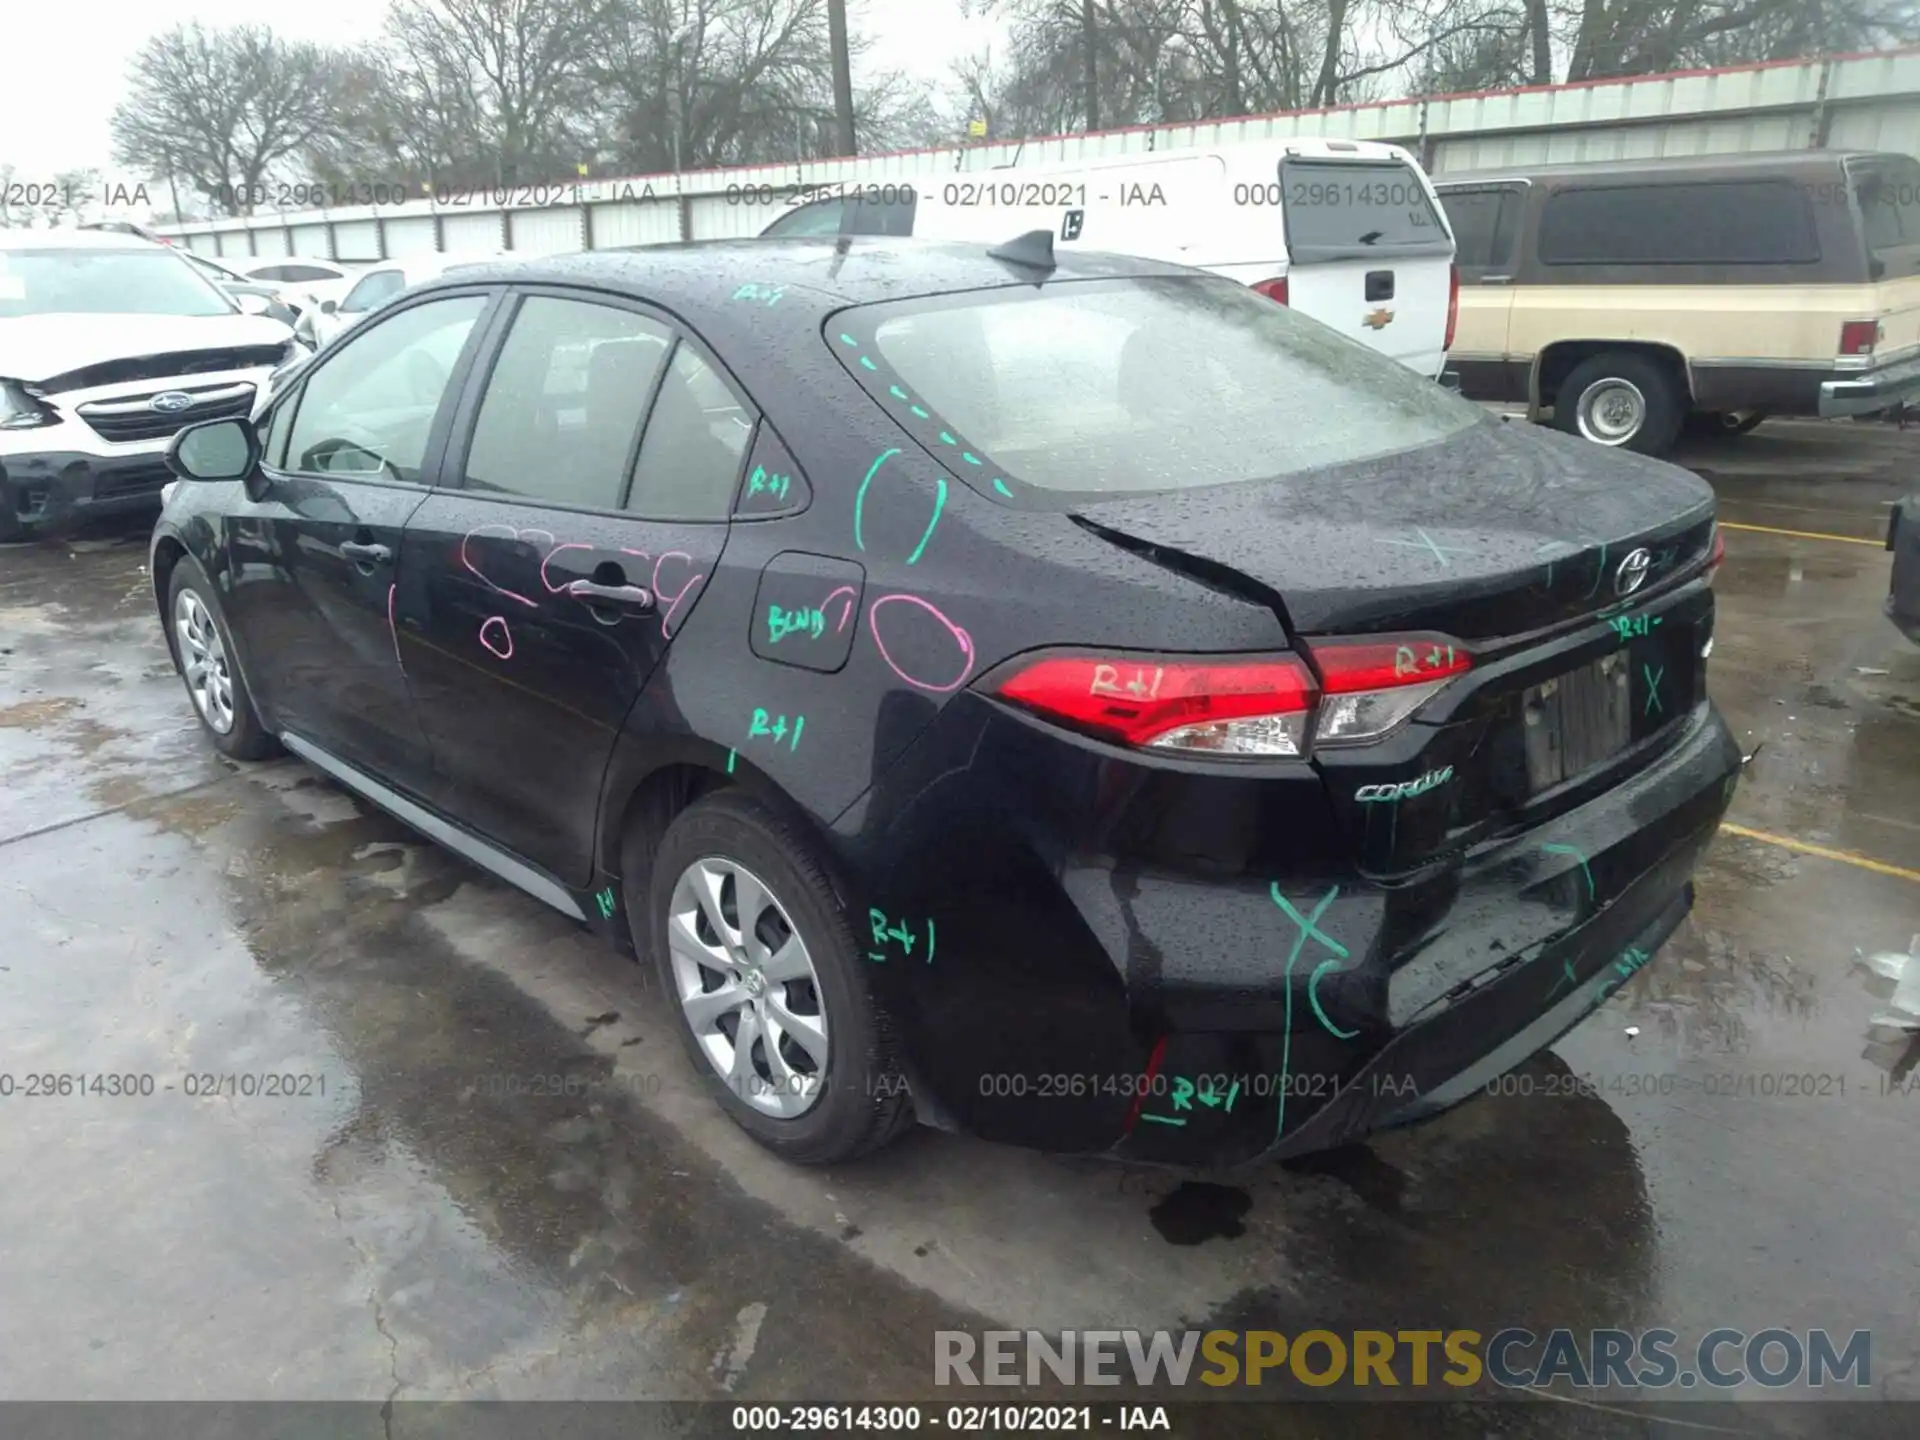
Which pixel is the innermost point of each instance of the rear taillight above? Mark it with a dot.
(1719, 555)
(1374, 684)
(1858, 337)
(1273, 289)
(1246, 706)
(1230, 706)
(1453, 304)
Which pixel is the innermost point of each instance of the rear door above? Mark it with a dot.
(1369, 254)
(1485, 220)
(589, 485)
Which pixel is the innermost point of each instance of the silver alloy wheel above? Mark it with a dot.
(1611, 411)
(747, 986)
(203, 660)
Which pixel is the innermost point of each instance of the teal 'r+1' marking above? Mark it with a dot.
(1308, 925)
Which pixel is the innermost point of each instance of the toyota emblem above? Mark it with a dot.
(1632, 572)
(171, 402)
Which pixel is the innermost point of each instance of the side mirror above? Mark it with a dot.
(329, 307)
(215, 450)
(251, 304)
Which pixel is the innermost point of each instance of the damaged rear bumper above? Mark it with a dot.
(1372, 1040)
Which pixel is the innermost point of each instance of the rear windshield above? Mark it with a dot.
(1108, 387)
(1888, 191)
(1341, 209)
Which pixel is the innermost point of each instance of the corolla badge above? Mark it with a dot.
(171, 402)
(1632, 572)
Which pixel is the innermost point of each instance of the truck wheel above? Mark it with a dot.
(1621, 399)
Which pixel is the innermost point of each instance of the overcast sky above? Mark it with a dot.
(65, 60)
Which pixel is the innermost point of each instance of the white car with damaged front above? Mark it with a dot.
(109, 346)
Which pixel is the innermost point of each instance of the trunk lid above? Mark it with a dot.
(1509, 538)
(1498, 532)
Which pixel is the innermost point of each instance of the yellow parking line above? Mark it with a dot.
(1802, 534)
(1845, 857)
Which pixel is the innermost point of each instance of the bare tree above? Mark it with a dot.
(501, 85)
(220, 108)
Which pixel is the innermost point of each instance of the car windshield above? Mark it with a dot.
(139, 280)
(1100, 387)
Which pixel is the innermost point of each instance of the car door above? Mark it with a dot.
(1486, 227)
(587, 502)
(313, 550)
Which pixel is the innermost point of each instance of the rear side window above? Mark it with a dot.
(564, 403)
(696, 439)
(1484, 223)
(1348, 209)
(1711, 222)
(293, 273)
(1106, 387)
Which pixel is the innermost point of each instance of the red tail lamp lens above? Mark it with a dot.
(1226, 707)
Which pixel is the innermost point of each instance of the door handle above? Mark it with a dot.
(628, 597)
(365, 554)
(1495, 279)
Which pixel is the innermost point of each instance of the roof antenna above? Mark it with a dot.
(1034, 250)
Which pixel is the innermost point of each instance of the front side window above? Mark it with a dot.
(1692, 222)
(1112, 387)
(380, 285)
(368, 408)
(564, 403)
(139, 280)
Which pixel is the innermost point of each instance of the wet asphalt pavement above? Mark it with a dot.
(415, 1224)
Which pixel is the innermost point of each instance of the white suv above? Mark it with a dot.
(109, 345)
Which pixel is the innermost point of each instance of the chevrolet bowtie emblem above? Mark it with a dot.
(1379, 319)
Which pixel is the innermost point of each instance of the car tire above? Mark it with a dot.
(1621, 400)
(854, 1099)
(203, 653)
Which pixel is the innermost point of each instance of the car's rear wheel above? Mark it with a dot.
(1623, 400)
(203, 652)
(761, 964)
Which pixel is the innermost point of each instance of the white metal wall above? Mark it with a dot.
(1869, 101)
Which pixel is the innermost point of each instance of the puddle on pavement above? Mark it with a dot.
(37, 714)
(1198, 1211)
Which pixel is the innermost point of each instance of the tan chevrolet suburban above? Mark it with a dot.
(1629, 298)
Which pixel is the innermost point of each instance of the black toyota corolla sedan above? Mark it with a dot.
(1075, 700)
